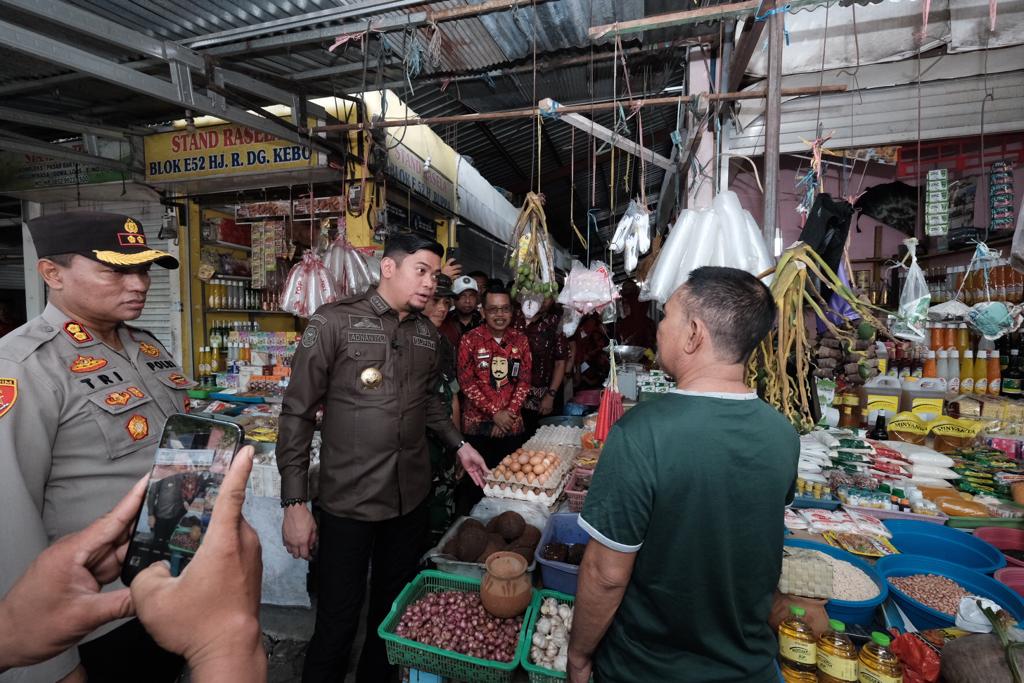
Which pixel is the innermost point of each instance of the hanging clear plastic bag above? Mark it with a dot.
(912, 314)
(993, 319)
(308, 287)
(570, 320)
(632, 235)
(335, 260)
(358, 278)
(588, 289)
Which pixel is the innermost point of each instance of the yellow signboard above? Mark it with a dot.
(222, 150)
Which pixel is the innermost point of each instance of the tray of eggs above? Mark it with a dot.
(524, 470)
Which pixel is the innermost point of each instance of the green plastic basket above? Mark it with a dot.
(409, 653)
(539, 674)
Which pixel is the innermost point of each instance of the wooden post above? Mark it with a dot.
(772, 126)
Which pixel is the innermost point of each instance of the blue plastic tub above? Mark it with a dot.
(562, 527)
(848, 612)
(924, 617)
(945, 543)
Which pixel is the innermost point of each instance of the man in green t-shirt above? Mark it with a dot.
(685, 511)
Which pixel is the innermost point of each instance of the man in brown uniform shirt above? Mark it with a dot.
(372, 362)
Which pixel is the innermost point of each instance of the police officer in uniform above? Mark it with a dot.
(372, 362)
(83, 397)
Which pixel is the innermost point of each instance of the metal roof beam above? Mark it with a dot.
(180, 57)
(31, 118)
(51, 50)
(734, 10)
(25, 146)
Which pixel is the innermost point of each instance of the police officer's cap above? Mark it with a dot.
(113, 239)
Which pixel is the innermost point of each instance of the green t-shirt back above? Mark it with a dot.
(696, 485)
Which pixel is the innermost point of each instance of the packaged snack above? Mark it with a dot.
(793, 520)
(908, 427)
(820, 521)
(860, 544)
(869, 525)
(953, 434)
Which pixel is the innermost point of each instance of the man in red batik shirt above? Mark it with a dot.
(495, 372)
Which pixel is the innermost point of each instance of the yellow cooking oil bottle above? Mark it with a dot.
(878, 664)
(837, 655)
(798, 648)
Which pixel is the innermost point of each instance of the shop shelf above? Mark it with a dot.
(938, 519)
(256, 311)
(537, 673)
(226, 245)
(830, 503)
(409, 653)
(220, 276)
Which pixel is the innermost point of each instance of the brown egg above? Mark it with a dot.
(536, 460)
(515, 467)
(543, 478)
(520, 477)
(528, 468)
(531, 478)
(523, 459)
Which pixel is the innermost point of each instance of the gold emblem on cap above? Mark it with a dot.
(130, 226)
(371, 378)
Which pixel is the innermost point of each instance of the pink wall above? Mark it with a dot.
(862, 243)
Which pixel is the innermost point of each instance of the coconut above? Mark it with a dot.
(509, 524)
(471, 543)
(470, 523)
(525, 552)
(529, 538)
(574, 555)
(492, 547)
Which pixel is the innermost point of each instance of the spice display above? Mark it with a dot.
(549, 644)
(935, 591)
(457, 621)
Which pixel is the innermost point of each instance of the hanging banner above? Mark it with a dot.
(224, 150)
(20, 171)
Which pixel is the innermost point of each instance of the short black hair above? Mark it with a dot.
(62, 260)
(737, 308)
(402, 244)
(478, 273)
(495, 290)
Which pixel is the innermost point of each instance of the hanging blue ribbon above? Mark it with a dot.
(778, 10)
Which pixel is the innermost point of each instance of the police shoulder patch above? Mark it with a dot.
(8, 394)
(310, 336)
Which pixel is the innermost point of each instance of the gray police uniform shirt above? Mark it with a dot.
(79, 425)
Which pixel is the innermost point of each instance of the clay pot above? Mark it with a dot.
(505, 590)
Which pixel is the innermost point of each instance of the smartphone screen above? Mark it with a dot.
(191, 461)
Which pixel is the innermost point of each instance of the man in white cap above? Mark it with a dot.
(466, 314)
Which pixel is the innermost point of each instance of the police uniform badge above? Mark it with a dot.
(149, 350)
(137, 427)
(371, 378)
(8, 394)
(77, 333)
(84, 364)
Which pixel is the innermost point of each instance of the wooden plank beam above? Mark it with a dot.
(569, 109)
(607, 135)
(772, 128)
(736, 10)
(749, 40)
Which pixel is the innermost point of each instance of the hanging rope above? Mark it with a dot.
(572, 189)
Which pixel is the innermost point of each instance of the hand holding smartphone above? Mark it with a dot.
(191, 461)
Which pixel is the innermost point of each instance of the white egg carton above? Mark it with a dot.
(555, 435)
(533, 494)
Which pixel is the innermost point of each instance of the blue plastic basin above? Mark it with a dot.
(562, 527)
(974, 582)
(846, 611)
(945, 543)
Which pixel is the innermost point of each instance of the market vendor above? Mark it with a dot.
(549, 356)
(372, 362)
(494, 369)
(685, 510)
(83, 397)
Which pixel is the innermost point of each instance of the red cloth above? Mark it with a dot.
(547, 345)
(453, 329)
(492, 376)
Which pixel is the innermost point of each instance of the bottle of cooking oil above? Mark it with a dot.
(798, 648)
(837, 655)
(878, 664)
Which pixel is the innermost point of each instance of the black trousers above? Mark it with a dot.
(346, 548)
(128, 654)
(493, 450)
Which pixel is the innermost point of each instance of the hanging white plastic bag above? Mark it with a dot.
(308, 287)
(588, 289)
(358, 278)
(664, 272)
(912, 314)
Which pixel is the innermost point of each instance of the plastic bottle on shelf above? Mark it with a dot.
(930, 366)
(837, 655)
(993, 373)
(980, 373)
(216, 337)
(1011, 382)
(953, 378)
(963, 338)
(877, 662)
(967, 372)
(798, 648)
(942, 364)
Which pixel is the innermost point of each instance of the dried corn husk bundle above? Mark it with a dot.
(788, 343)
(531, 255)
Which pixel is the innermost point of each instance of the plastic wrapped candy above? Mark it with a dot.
(308, 287)
(358, 278)
(335, 261)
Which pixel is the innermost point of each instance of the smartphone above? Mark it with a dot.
(193, 456)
